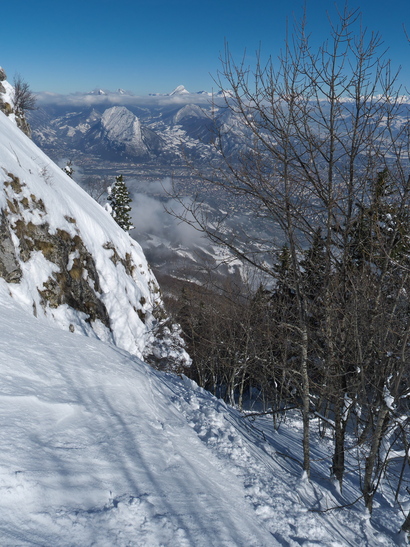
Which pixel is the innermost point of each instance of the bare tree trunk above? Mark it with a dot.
(405, 527)
(305, 402)
(368, 485)
(241, 388)
(338, 461)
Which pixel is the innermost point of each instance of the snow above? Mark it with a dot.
(8, 96)
(96, 448)
(67, 207)
(179, 90)
(121, 124)
(93, 449)
(187, 111)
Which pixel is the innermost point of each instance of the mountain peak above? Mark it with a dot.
(180, 90)
(98, 92)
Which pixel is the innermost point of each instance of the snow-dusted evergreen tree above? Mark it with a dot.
(119, 200)
(68, 169)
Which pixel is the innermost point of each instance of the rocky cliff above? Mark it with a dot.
(64, 257)
(120, 133)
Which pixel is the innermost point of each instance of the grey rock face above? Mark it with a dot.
(75, 281)
(9, 267)
(120, 132)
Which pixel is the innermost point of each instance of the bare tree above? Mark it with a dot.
(24, 98)
(317, 126)
(96, 187)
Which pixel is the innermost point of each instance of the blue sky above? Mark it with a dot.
(155, 45)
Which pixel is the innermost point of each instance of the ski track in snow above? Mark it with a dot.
(94, 453)
(98, 449)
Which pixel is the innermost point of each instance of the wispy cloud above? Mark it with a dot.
(150, 216)
(120, 98)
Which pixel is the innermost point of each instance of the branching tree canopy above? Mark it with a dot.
(325, 160)
(24, 98)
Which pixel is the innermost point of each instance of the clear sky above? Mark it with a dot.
(153, 46)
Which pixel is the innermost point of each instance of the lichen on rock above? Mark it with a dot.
(74, 280)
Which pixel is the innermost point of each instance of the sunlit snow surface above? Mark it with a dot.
(98, 449)
(67, 207)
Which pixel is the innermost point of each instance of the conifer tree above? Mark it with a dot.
(68, 169)
(380, 231)
(284, 274)
(119, 203)
(314, 267)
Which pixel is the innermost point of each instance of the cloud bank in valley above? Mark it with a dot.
(150, 206)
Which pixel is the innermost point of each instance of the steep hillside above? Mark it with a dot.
(65, 259)
(96, 448)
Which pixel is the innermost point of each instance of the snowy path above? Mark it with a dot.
(98, 449)
(92, 452)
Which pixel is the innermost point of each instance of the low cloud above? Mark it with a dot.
(109, 99)
(150, 215)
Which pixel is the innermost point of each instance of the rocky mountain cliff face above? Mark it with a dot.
(118, 130)
(154, 129)
(66, 260)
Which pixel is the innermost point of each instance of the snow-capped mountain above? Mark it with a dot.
(168, 127)
(120, 132)
(179, 90)
(119, 126)
(98, 92)
(66, 260)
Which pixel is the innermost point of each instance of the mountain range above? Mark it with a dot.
(151, 139)
(122, 127)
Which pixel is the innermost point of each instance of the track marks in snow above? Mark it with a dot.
(272, 484)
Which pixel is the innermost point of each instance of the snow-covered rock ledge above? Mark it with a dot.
(66, 260)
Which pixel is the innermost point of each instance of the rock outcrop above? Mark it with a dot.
(65, 259)
(120, 133)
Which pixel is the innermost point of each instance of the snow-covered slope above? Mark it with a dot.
(95, 451)
(97, 448)
(65, 258)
